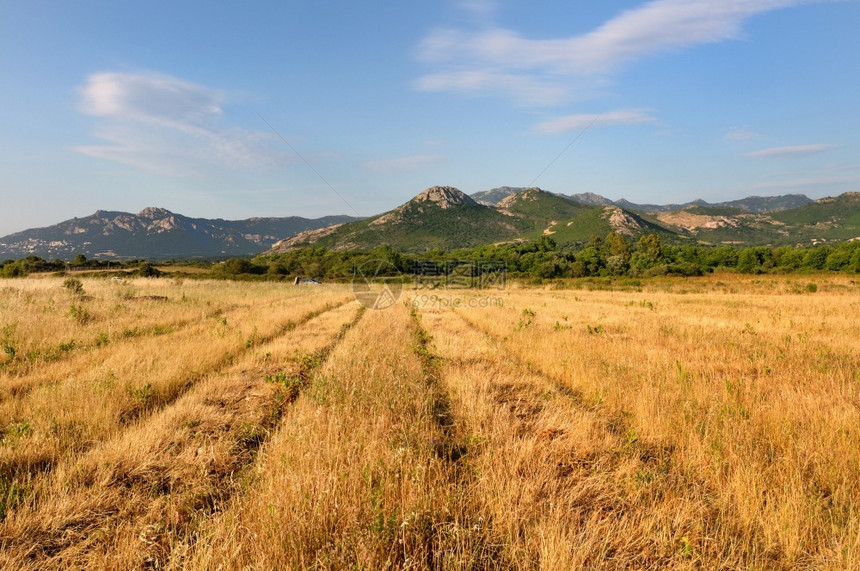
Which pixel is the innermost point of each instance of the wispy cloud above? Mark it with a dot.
(794, 152)
(169, 125)
(481, 9)
(810, 184)
(739, 134)
(655, 27)
(570, 123)
(528, 90)
(403, 164)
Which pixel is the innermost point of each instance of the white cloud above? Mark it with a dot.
(150, 97)
(570, 123)
(169, 125)
(403, 164)
(739, 134)
(797, 151)
(655, 27)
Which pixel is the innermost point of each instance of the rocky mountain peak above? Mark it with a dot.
(525, 194)
(154, 212)
(443, 197)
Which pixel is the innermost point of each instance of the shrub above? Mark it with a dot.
(147, 270)
(74, 285)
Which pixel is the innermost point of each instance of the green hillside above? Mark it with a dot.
(438, 218)
(840, 210)
(445, 218)
(538, 208)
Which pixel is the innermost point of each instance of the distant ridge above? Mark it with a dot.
(445, 218)
(755, 204)
(155, 233)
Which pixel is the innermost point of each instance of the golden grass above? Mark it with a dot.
(685, 424)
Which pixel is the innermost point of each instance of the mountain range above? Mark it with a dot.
(443, 217)
(155, 233)
(446, 218)
(754, 204)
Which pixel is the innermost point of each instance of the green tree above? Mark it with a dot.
(816, 258)
(755, 260)
(788, 257)
(592, 259)
(618, 246)
(650, 247)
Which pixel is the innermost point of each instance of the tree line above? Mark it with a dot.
(614, 255)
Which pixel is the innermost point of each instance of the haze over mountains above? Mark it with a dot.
(445, 218)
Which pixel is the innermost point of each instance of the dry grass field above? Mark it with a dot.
(708, 423)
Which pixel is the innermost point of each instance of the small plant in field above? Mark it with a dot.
(683, 375)
(292, 383)
(10, 496)
(66, 347)
(106, 384)
(191, 423)
(74, 286)
(686, 548)
(526, 318)
(250, 436)
(143, 394)
(559, 327)
(311, 361)
(19, 429)
(80, 314)
(102, 339)
(6, 340)
(631, 437)
(218, 317)
(596, 330)
(811, 287)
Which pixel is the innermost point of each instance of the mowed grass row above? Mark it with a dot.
(42, 322)
(91, 401)
(366, 472)
(561, 486)
(756, 396)
(129, 501)
(47, 332)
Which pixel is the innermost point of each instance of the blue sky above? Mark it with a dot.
(233, 110)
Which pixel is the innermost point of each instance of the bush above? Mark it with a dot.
(147, 270)
(74, 285)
